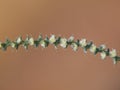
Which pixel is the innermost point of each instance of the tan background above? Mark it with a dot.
(50, 69)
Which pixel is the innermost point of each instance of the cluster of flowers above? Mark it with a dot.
(63, 42)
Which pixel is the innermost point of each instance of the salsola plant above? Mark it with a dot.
(64, 43)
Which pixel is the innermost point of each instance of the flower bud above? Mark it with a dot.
(83, 42)
(93, 48)
(113, 53)
(103, 55)
(13, 45)
(52, 39)
(71, 38)
(19, 40)
(63, 42)
(31, 41)
(74, 46)
(42, 43)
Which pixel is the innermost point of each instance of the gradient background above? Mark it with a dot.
(62, 69)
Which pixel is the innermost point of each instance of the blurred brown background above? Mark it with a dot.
(62, 69)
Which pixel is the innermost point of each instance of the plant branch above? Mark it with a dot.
(63, 42)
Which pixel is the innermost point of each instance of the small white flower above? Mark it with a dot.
(63, 42)
(83, 42)
(103, 55)
(113, 53)
(74, 46)
(19, 40)
(71, 38)
(31, 41)
(13, 45)
(93, 48)
(52, 39)
(42, 43)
